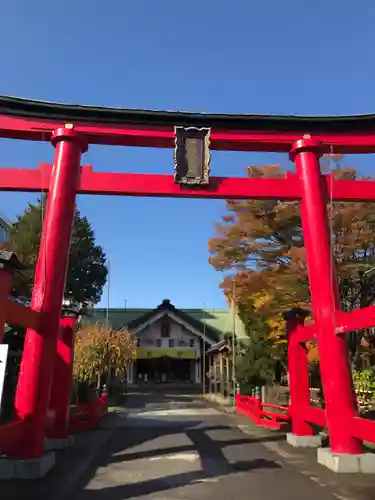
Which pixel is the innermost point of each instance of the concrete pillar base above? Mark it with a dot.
(31, 468)
(58, 444)
(303, 441)
(347, 464)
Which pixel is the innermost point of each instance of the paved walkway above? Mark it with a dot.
(176, 447)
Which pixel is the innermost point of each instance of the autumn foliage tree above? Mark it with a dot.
(260, 245)
(100, 350)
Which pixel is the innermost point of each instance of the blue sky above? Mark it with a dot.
(287, 57)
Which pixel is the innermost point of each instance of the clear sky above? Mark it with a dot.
(288, 57)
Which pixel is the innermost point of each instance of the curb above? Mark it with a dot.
(224, 409)
(243, 423)
(103, 433)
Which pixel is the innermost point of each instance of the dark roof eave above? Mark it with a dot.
(167, 307)
(219, 346)
(41, 110)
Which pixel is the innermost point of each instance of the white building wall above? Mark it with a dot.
(150, 338)
(4, 231)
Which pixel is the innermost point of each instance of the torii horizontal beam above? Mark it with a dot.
(160, 185)
(36, 121)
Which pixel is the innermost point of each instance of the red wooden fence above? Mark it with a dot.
(299, 412)
(82, 417)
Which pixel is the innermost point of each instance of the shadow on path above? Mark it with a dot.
(211, 459)
(189, 455)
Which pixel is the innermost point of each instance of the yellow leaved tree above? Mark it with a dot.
(100, 350)
(263, 303)
(261, 244)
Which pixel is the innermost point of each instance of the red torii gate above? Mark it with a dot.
(38, 121)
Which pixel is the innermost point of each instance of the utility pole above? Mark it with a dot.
(234, 340)
(204, 354)
(108, 291)
(109, 375)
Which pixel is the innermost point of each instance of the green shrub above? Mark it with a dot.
(255, 366)
(364, 386)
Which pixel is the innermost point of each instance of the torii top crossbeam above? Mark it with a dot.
(36, 120)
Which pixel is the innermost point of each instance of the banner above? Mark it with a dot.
(158, 352)
(3, 364)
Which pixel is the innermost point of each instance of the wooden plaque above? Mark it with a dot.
(192, 156)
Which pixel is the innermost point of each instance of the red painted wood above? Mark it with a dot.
(11, 437)
(88, 416)
(163, 137)
(333, 353)
(364, 429)
(251, 407)
(276, 407)
(276, 416)
(304, 333)
(59, 402)
(38, 359)
(354, 320)
(161, 185)
(315, 416)
(308, 185)
(298, 375)
(18, 314)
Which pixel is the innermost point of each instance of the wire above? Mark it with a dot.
(204, 350)
(331, 239)
(234, 339)
(43, 246)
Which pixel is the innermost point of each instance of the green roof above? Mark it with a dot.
(220, 320)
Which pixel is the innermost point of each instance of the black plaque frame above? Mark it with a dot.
(192, 167)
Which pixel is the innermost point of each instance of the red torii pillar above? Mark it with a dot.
(59, 403)
(334, 359)
(38, 360)
(298, 375)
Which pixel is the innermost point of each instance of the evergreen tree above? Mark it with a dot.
(256, 362)
(87, 272)
(86, 276)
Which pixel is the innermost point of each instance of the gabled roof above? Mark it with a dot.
(168, 309)
(218, 347)
(216, 322)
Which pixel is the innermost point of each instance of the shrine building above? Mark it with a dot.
(170, 341)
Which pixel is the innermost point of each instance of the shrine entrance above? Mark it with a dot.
(165, 370)
(41, 390)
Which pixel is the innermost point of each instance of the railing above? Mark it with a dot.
(84, 417)
(11, 436)
(253, 408)
(58, 423)
(19, 314)
(12, 312)
(300, 412)
(316, 416)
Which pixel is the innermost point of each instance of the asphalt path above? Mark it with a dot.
(173, 447)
